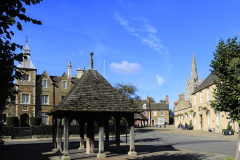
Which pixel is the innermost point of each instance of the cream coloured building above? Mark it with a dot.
(200, 112)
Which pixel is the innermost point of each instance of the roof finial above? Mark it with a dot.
(91, 61)
(26, 37)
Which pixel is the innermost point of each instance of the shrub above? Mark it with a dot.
(190, 123)
(12, 121)
(191, 110)
(35, 121)
(204, 108)
(229, 127)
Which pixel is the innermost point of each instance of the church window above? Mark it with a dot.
(45, 99)
(44, 118)
(162, 112)
(200, 97)
(25, 98)
(208, 95)
(45, 83)
(144, 106)
(25, 77)
(64, 85)
(154, 113)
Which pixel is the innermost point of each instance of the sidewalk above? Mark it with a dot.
(191, 133)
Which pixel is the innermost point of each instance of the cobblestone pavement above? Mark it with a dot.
(151, 143)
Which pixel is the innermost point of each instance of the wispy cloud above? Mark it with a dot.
(71, 56)
(125, 68)
(160, 80)
(147, 33)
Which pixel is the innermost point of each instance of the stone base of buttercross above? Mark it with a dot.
(101, 155)
(81, 148)
(54, 150)
(132, 153)
(66, 158)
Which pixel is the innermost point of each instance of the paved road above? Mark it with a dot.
(149, 145)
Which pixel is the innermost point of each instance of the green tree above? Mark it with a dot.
(225, 66)
(11, 10)
(151, 100)
(128, 92)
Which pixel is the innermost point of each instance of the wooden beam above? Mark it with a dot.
(107, 134)
(101, 153)
(65, 145)
(117, 139)
(54, 147)
(132, 139)
(59, 135)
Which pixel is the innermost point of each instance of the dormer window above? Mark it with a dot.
(45, 83)
(144, 106)
(64, 85)
(25, 77)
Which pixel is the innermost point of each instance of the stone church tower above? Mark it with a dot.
(194, 82)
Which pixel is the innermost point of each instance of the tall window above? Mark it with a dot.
(145, 113)
(208, 94)
(144, 106)
(186, 116)
(182, 117)
(218, 118)
(45, 83)
(195, 118)
(179, 117)
(229, 119)
(44, 118)
(194, 99)
(154, 113)
(25, 98)
(25, 77)
(208, 117)
(44, 99)
(190, 115)
(200, 97)
(162, 113)
(64, 85)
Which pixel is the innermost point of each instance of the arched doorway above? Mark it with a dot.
(24, 120)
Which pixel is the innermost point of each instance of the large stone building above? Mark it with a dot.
(39, 93)
(157, 113)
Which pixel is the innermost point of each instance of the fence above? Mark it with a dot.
(47, 130)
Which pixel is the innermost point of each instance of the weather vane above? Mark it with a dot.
(26, 37)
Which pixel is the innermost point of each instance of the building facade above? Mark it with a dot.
(157, 113)
(202, 115)
(38, 93)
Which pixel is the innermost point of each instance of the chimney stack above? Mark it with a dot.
(91, 61)
(167, 102)
(147, 99)
(181, 96)
(79, 73)
(69, 70)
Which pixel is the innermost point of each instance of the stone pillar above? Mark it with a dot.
(107, 134)
(101, 153)
(132, 139)
(117, 139)
(59, 136)
(66, 140)
(54, 147)
(81, 125)
(90, 136)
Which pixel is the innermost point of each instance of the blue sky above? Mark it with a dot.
(148, 43)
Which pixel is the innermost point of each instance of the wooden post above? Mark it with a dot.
(65, 144)
(132, 139)
(144, 122)
(101, 153)
(59, 135)
(81, 125)
(107, 134)
(54, 147)
(117, 139)
(90, 136)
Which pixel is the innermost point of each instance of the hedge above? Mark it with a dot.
(36, 121)
(12, 121)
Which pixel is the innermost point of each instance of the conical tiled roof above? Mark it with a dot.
(93, 93)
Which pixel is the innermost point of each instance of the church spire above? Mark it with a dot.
(194, 76)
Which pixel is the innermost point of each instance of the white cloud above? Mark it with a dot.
(160, 80)
(71, 56)
(125, 68)
(147, 34)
